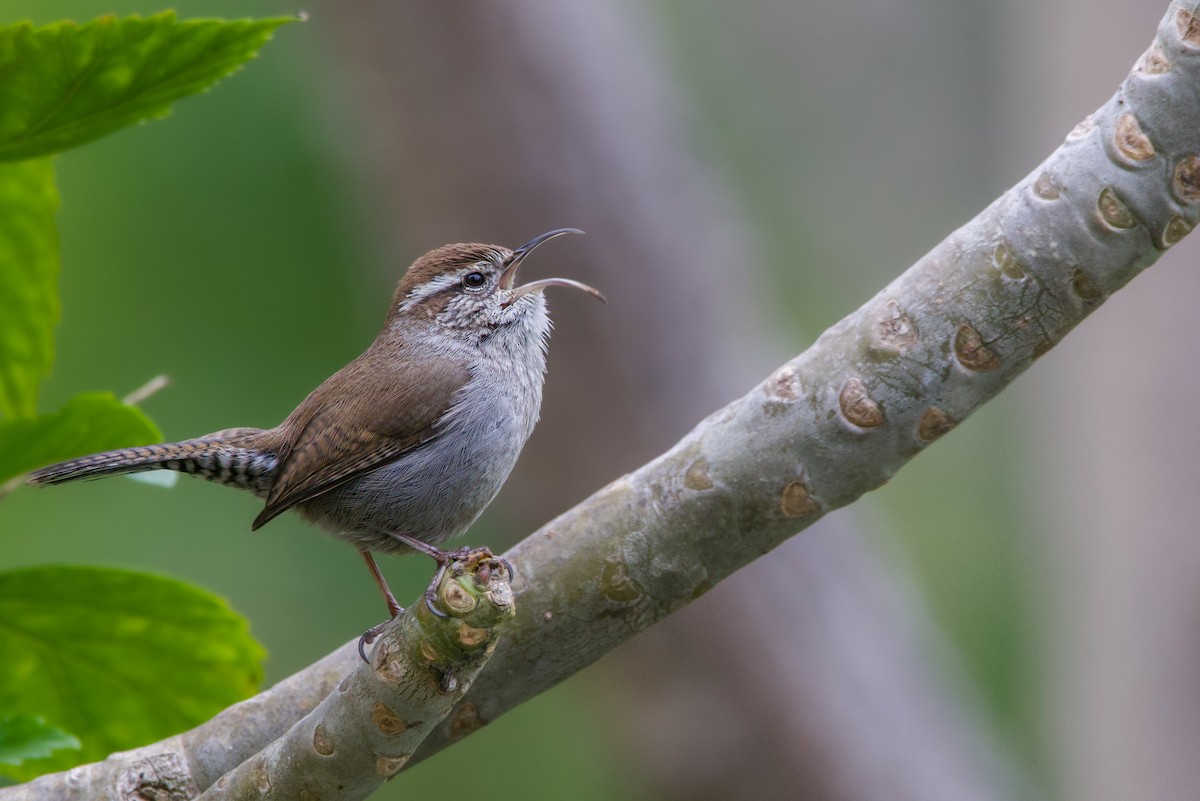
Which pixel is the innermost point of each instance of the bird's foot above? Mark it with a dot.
(458, 561)
(368, 636)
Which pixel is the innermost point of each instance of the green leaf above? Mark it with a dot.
(117, 657)
(24, 737)
(88, 423)
(67, 84)
(28, 281)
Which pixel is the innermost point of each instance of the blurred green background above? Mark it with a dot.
(233, 246)
(225, 247)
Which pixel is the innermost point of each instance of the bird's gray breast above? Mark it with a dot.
(437, 490)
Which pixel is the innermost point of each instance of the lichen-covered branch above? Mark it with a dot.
(832, 424)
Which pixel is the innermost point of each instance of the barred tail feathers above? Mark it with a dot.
(218, 457)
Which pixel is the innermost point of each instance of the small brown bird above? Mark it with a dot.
(404, 447)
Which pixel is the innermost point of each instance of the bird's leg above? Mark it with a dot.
(432, 551)
(394, 608)
(444, 560)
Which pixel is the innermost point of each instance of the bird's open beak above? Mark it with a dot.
(510, 272)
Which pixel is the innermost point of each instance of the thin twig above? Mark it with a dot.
(154, 385)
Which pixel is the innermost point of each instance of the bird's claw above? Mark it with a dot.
(431, 605)
(508, 568)
(457, 561)
(368, 636)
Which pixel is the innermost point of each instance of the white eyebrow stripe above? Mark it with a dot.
(431, 288)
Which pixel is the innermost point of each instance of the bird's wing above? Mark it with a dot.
(358, 420)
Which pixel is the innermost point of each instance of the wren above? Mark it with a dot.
(405, 446)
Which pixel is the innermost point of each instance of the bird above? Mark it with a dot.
(405, 446)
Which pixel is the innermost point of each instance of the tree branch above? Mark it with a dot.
(667, 228)
(352, 741)
(363, 734)
(840, 419)
(875, 389)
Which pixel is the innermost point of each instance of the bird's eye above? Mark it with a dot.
(474, 280)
